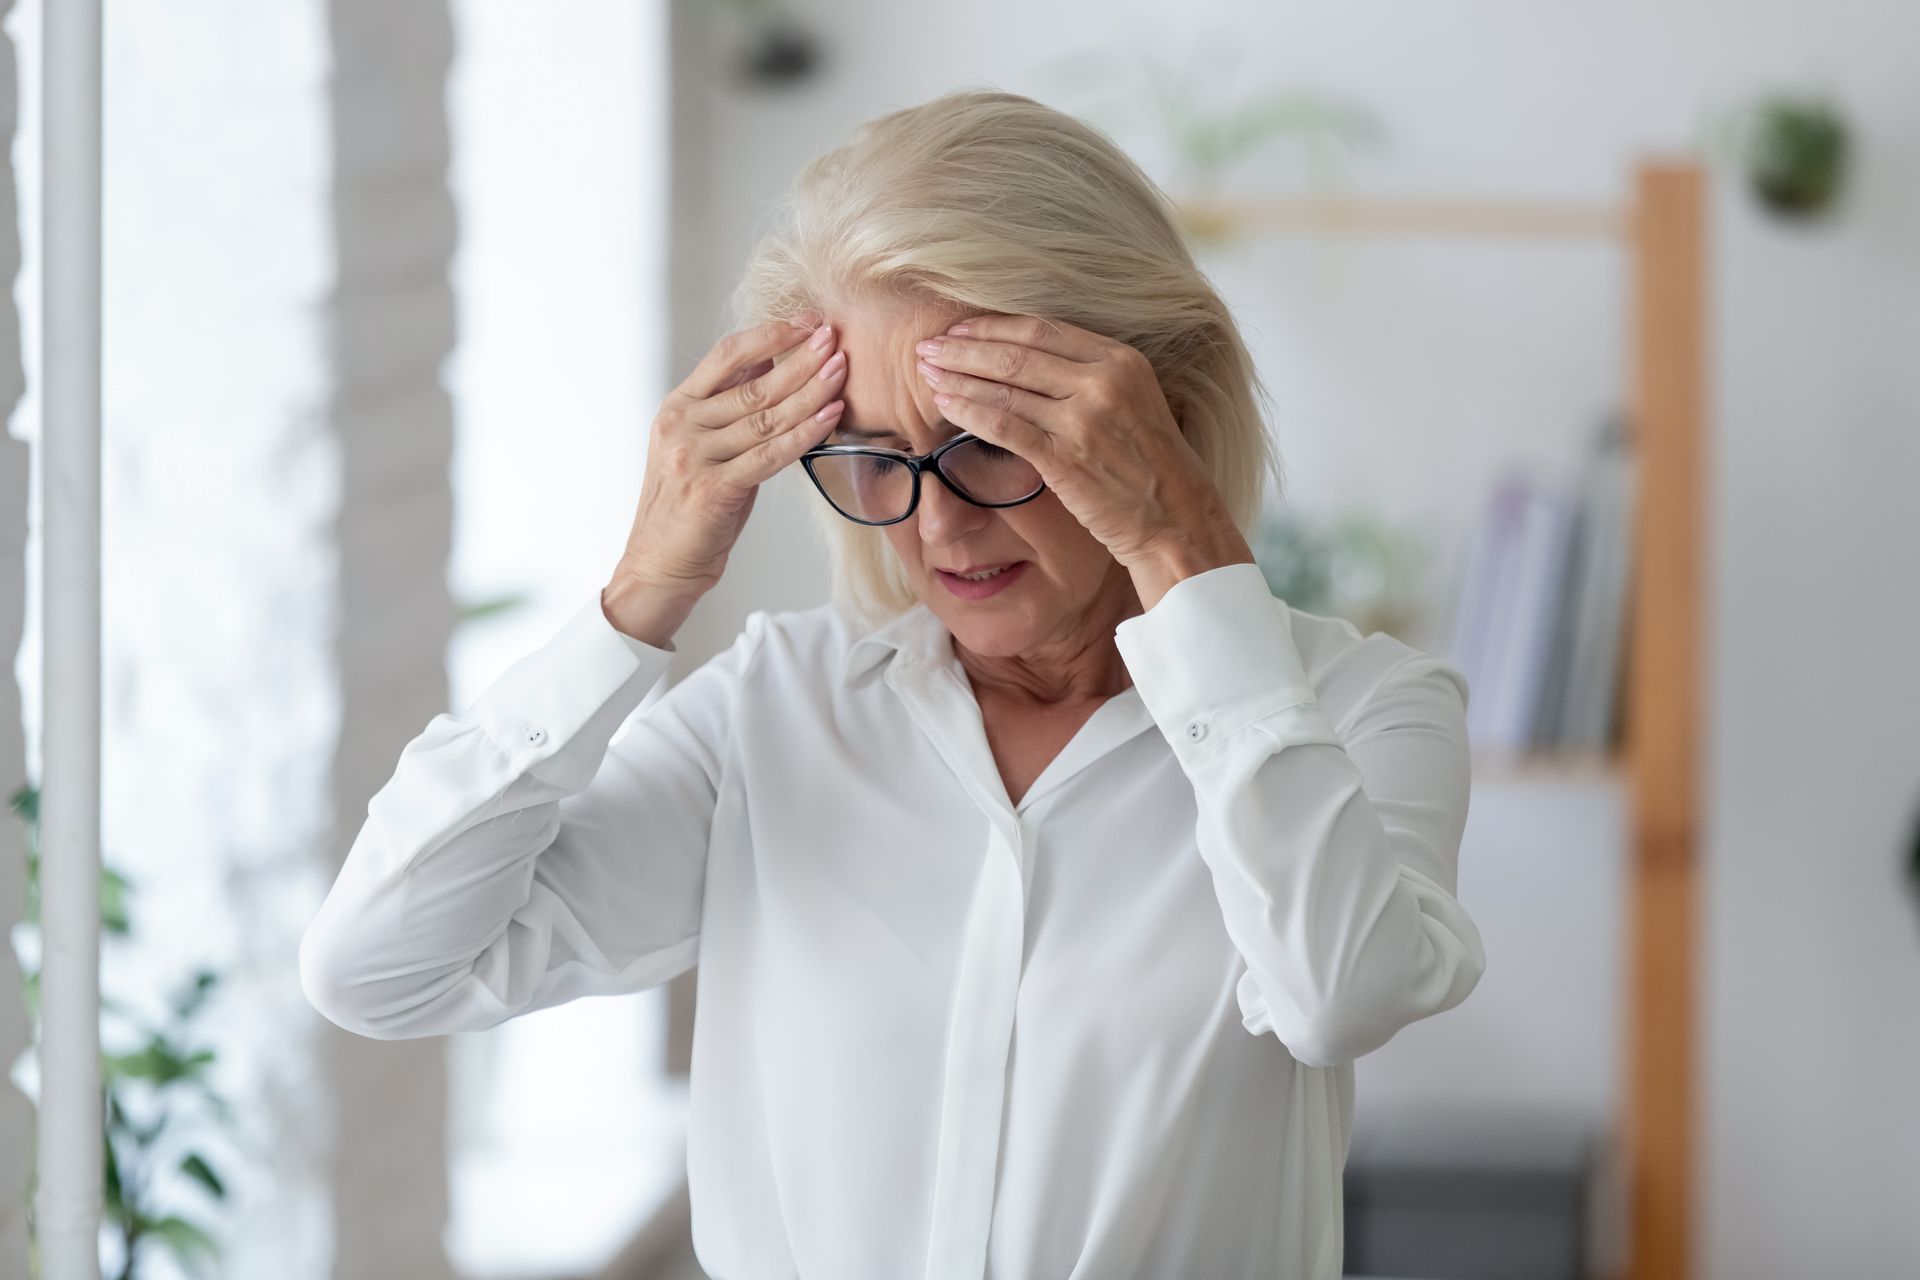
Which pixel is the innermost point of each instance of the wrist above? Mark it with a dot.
(1157, 569)
(648, 611)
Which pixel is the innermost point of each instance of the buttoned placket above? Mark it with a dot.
(987, 983)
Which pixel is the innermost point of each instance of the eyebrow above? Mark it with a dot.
(863, 433)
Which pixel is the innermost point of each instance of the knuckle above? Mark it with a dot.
(1012, 360)
(1035, 331)
(679, 463)
(669, 429)
(753, 395)
(763, 423)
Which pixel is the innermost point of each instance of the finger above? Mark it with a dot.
(745, 373)
(996, 426)
(1055, 337)
(753, 429)
(1042, 411)
(769, 457)
(1009, 362)
(742, 347)
(757, 394)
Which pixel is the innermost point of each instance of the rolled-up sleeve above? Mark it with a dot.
(1333, 854)
(545, 844)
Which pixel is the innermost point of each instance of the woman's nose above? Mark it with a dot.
(943, 515)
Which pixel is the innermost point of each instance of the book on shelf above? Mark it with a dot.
(1540, 614)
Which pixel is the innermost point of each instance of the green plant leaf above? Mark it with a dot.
(221, 1109)
(110, 1178)
(196, 992)
(114, 891)
(195, 1167)
(186, 1240)
(489, 606)
(156, 1061)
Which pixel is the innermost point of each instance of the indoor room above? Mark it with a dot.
(661, 639)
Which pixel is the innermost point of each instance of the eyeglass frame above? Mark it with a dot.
(916, 463)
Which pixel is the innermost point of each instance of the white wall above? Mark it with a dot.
(1442, 359)
(1813, 968)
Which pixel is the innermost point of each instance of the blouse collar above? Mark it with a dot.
(916, 634)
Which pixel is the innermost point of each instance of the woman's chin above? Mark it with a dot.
(989, 633)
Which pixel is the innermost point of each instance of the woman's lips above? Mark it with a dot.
(968, 589)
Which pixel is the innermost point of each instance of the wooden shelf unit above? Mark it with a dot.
(1662, 231)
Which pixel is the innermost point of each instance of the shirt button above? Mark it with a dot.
(1196, 731)
(536, 736)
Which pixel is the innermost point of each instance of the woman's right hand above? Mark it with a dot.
(758, 400)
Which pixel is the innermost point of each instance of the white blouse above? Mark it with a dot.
(1105, 1032)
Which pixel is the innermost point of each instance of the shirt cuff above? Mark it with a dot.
(1216, 654)
(554, 711)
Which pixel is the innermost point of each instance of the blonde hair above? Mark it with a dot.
(991, 202)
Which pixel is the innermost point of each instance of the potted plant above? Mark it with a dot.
(151, 1090)
(1792, 150)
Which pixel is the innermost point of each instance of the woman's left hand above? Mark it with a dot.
(1089, 414)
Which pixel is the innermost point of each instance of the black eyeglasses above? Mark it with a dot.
(870, 485)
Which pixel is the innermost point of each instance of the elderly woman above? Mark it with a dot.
(1044, 885)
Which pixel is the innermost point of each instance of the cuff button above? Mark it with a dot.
(536, 736)
(1196, 731)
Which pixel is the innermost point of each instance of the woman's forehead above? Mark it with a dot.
(888, 403)
(894, 437)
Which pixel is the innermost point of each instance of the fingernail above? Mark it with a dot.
(821, 337)
(931, 347)
(958, 330)
(831, 411)
(831, 369)
(928, 372)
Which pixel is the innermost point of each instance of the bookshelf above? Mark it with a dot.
(1660, 229)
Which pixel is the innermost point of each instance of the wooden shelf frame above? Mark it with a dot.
(1662, 232)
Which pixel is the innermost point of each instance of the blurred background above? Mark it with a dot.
(1591, 333)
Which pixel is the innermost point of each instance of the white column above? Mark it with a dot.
(392, 324)
(67, 1202)
(16, 1115)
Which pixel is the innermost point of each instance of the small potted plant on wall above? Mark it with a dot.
(1792, 151)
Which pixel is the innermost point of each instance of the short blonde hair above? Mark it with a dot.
(992, 202)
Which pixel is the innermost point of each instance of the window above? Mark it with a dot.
(566, 1133)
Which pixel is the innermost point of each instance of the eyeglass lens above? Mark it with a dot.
(879, 489)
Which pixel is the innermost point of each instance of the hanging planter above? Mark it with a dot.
(780, 51)
(1793, 153)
